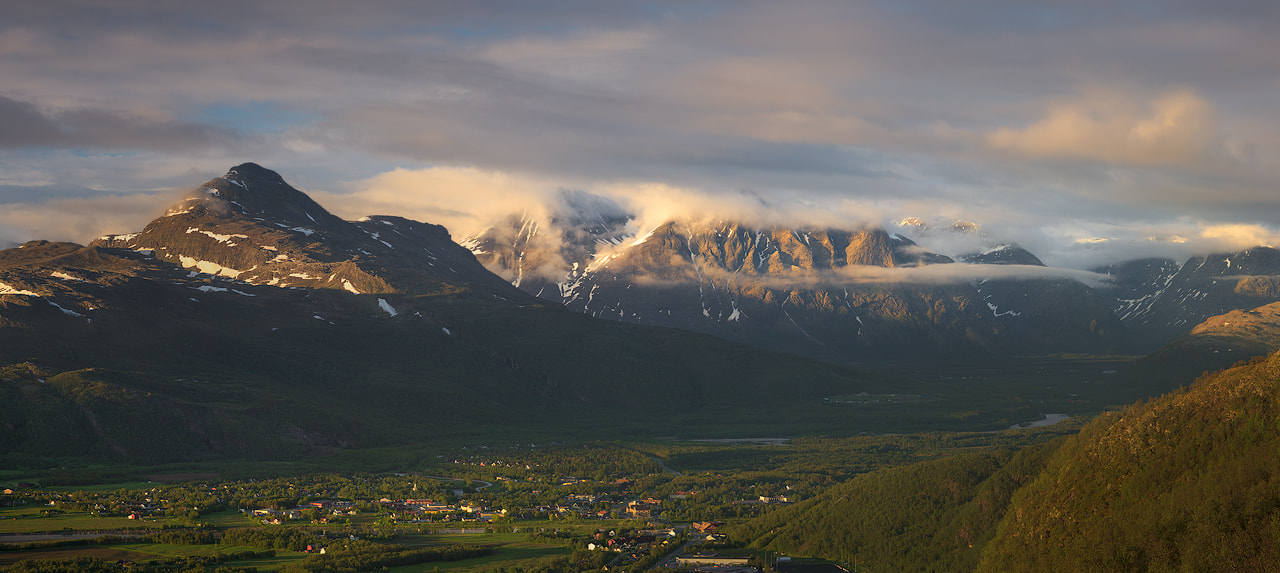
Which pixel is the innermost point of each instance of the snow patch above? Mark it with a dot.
(219, 238)
(6, 289)
(446, 331)
(211, 288)
(64, 276)
(125, 237)
(304, 230)
(386, 306)
(207, 267)
(346, 284)
(996, 311)
(65, 311)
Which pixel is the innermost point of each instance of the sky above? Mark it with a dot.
(1087, 132)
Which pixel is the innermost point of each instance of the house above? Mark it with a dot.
(646, 508)
(707, 526)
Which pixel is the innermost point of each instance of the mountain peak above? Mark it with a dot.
(256, 191)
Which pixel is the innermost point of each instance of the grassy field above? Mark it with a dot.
(28, 519)
(514, 550)
(106, 553)
(148, 552)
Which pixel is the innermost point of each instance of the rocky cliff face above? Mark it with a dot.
(817, 291)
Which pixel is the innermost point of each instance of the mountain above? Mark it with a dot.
(1161, 299)
(251, 226)
(249, 323)
(813, 291)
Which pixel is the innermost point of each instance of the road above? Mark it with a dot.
(672, 556)
(667, 469)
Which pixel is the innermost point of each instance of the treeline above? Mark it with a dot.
(289, 539)
(173, 565)
(183, 537)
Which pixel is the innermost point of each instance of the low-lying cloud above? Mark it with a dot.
(81, 220)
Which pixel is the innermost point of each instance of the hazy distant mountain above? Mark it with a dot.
(1160, 299)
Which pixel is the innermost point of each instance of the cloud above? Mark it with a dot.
(1175, 127)
(946, 273)
(1238, 237)
(466, 200)
(81, 220)
(26, 125)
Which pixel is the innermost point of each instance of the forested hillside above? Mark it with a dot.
(1188, 482)
(930, 516)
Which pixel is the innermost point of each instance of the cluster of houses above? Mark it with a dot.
(611, 541)
(324, 508)
(426, 510)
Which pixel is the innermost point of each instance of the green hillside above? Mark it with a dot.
(1187, 482)
(929, 516)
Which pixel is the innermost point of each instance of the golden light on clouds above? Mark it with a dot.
(1175, 127)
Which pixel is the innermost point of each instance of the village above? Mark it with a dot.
(640, 520)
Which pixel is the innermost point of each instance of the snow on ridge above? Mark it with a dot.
(215, 236)
(6, 289)
(646, 237)
(472, 243)
(995, 311)
(125, 237)
(64, 276)
(64, 310)
(386, 306)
